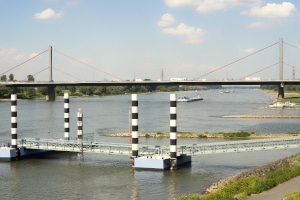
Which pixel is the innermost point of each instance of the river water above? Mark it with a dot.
(97, 176)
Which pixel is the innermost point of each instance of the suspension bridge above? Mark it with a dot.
(118, 81)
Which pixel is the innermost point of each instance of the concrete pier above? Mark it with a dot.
(157, 162)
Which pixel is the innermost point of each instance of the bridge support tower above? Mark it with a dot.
(50, 93)
(281, 91)
(281, 86)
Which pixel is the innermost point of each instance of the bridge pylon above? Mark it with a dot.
(281, 91)
(50, 93)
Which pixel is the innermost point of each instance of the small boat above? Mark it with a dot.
(286, 104)
(189, 99)
(277, 105)
(226, 91)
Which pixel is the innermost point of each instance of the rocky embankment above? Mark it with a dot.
(258, 171)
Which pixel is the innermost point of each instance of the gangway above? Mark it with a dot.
(151, 150)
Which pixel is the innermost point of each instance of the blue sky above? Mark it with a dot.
(137, 39)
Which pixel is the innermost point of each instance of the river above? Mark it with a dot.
(96, 176)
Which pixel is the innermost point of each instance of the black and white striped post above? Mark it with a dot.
(13, 118)
(66, 116)
(173, 131)
(79, 126)
(134, 126)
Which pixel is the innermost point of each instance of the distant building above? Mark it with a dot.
(178, 79)
(138, 80)
(252, 79)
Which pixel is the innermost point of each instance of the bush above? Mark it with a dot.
(237, 134)
(201, 136)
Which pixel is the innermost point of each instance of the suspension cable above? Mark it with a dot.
(67, 73)
(24, 62)
(86, 64)
(260, 70)
(37, 73)
(291, 65)
(236, 61)
(292, 45)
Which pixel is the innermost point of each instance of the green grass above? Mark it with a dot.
(293, 196)
(292, 99)
(252, 184)
(236, 134)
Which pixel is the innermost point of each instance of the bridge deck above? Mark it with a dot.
(193, 149)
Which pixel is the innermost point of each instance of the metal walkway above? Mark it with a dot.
(193, 149)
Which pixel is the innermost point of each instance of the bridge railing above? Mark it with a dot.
(193, 149)
(239, 146)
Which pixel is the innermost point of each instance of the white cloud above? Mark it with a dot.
(72, 3)
(19, 57)
(32, 55)
(209, 6)
(7, 51)
(166, 20)
(84, 60)
(180, 3)
(272, 10)
(243, 2)
(193, 35)
(256, 25)
(48, 14)
(248, 51)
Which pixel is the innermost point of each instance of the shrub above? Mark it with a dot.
(237, 134)
(201, 136)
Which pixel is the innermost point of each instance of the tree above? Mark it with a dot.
(30, 78)
(31, 92)
(42, 90)
(11, 77)
(3, 78)
(3, 91)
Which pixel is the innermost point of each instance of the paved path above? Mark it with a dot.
(278, 192)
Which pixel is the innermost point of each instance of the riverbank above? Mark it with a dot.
(271, 181)
(206, 135)
(260, 171)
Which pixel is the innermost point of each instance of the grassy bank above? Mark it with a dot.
(231, 135)
(254, 181)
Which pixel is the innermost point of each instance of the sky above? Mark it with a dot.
(99, 40)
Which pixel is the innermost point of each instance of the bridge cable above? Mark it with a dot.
(91, 66)
(67, 73)
(260, 70)
(24, 62)
(236, 61)
(37, 73)
(291, 65)
(292, 45)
